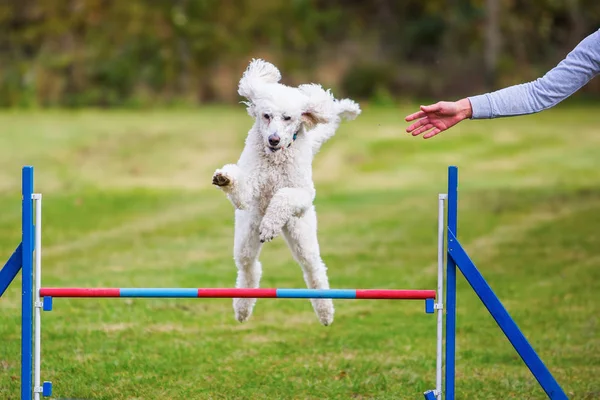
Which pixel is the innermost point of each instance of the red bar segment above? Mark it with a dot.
(239, 293)
(395, 294)
(80, 292)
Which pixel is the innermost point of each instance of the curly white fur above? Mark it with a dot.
(271, 185)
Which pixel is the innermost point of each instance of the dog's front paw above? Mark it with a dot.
(221, 179)
(268, 230)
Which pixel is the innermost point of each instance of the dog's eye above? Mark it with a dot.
(286, 118)
(267, 116)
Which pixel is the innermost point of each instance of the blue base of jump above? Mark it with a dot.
(47, 389)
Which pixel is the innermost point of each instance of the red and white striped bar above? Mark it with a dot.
(366, 294)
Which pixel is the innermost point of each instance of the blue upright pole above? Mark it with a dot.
(27, 285)
(451, 287)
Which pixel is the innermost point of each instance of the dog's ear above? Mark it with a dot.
(310, 119)
(258, 72)
(319, 108)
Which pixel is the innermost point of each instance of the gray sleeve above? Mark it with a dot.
(577, 69)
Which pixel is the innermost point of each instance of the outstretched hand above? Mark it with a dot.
(438, 117)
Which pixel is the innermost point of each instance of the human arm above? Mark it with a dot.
(578, 68)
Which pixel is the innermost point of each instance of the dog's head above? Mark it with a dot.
(282, 112)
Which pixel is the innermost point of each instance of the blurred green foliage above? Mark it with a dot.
(132, 53)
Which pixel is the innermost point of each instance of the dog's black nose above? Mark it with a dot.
(274, 139)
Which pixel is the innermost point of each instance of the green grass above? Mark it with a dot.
(128, 203)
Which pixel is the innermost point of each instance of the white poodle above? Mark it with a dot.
(271, 185)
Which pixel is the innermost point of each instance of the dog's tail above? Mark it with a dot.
(347, 109)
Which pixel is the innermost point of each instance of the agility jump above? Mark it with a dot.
(36, 298)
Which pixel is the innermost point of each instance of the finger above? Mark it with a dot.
(412, 117)
(432, 133)
(417, 124)
(422, 129)
(431, 108)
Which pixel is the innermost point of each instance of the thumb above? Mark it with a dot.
(432, 108)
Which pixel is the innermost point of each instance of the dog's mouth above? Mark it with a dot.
(274, 149)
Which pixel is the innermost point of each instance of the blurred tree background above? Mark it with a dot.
(137, 53)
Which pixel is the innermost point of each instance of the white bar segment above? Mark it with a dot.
(440, 295)
(38, 284)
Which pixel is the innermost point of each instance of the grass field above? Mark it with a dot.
(128, 203)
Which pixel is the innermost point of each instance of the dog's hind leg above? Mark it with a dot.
(246, 249)
(300, 233)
